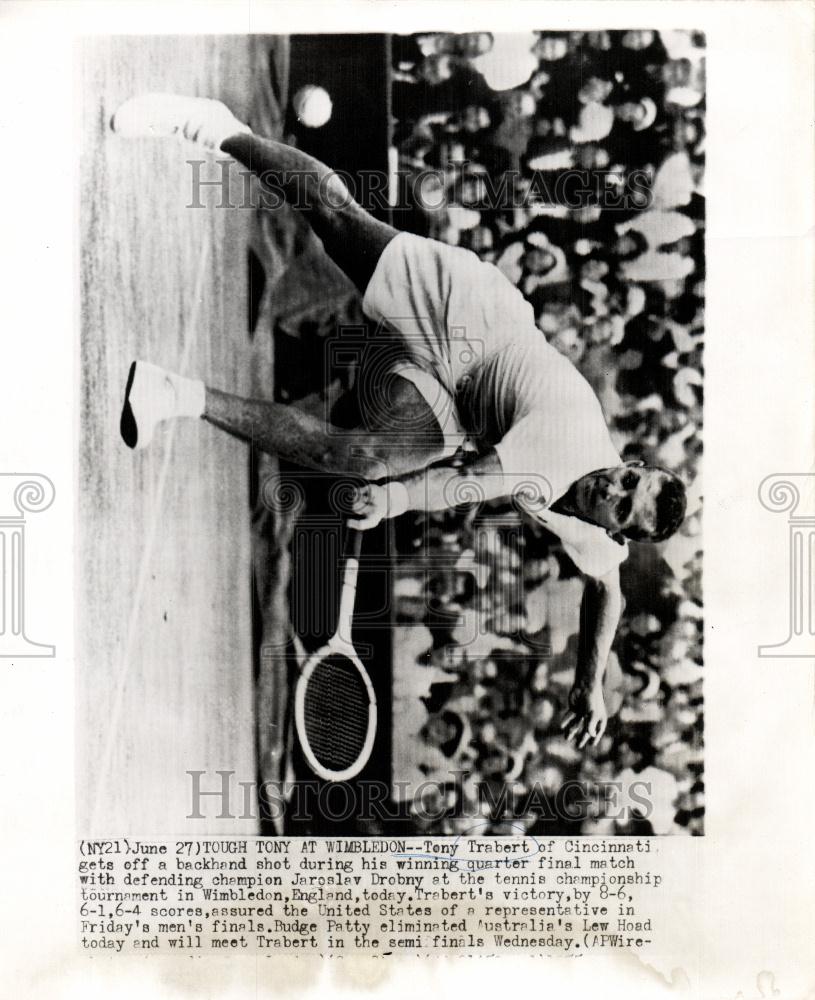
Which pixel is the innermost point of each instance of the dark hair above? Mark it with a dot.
(670, 511)
(683, 309)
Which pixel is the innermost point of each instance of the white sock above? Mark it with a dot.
(190, 396)
(237, 129)
(152, 395)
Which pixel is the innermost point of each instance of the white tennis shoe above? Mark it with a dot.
(199, 119)
(153, 394)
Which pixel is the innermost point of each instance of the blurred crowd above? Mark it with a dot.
(574, 162)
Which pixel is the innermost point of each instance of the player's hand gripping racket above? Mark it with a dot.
(334, 702)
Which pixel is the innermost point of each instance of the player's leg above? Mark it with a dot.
(286, 430)
(296, 435)
(352, 237)
(355, 240)
(374, 451)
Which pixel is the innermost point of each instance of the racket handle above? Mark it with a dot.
(348, 594)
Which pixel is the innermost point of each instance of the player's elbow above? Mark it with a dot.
(360, 455)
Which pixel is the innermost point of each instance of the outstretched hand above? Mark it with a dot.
(586, 717)
(373, 503)
(369, 506)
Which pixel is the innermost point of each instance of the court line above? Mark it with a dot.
(189, 335)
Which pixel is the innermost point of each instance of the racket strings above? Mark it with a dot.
(336, 708)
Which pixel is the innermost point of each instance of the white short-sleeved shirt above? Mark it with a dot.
(473, 350)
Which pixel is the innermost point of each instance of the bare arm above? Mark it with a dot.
(442, 486)
(434, 488)
(600, 611)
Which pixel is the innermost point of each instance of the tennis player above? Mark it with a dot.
(471, 366)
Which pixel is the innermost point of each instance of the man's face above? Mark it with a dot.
(590, 156)
(475, 43)
(595, 89)
(686, 132)
(538, 261)
(551, 49)
(620, 498)
(594, 270)
(631, 111)
(436, 69)
(520, 104)
(526, 104)
(625, 245)
(598, 40)
(569, 342)
(677, 72)
(475, 118)
(439, 730)
(637, 40)
(480, 238)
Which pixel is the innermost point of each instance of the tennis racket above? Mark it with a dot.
(334, 701)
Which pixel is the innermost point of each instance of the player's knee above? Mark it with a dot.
(355, 453)
(386, 451)
(374, 457)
